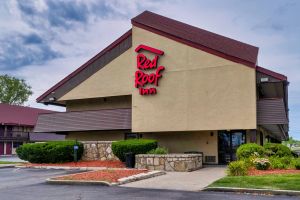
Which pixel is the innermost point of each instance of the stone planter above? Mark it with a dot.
(97, 150)
(169, 162)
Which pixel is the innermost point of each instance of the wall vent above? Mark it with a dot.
(210, 159)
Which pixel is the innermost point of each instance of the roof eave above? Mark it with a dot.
(194, 45)
(272, 73)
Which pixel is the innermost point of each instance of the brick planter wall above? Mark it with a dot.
(169, 162)
(97, 150)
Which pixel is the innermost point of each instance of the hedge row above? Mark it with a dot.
(245, 151)
(49, 152)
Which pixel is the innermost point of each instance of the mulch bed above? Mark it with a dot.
(110, 176)
(98, 163)
(255, 172)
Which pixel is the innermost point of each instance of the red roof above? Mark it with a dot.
(271, 73)
(19, 115)
(207, 41)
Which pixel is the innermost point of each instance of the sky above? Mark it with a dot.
(43, 41)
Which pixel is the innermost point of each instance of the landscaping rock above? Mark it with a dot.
(98, 150)
(169, 162)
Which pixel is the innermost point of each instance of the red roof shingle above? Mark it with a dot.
(271, 73)
(19, 115)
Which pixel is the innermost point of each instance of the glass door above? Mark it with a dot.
(237, 139)
(224, 144)
(228, 142)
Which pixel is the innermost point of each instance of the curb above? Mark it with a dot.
(65, 168)
(121, 181)
(74, 182)
(252, 190)
(2, 166)
(140, 176)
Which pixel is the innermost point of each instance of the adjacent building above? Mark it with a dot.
(191, 89)
(16, 127)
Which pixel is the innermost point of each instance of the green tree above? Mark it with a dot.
(13, 90)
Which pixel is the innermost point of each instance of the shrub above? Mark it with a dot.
(245, 151)
(276, 163)
(287, 160)
(49, 152)
(283, 162)
(279, 150)
(237, 168)
(297, 163)
(136, 146)
(295, 154)
(262, 163)
(159, 150)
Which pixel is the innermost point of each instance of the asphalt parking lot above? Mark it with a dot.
(28, 184)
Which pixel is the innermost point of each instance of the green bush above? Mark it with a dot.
(276, 163)
(245, 151)
(237, 168)
(285, 162)
(49, 152)
(279, 150)
(159, 150)
(297, 163)
(262, 163)
(136, 146)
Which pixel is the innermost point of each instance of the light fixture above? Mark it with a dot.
(52, 99)
(264, 79)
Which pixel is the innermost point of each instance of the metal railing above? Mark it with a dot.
(14, 135)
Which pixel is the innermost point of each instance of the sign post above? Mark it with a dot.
(75, 152)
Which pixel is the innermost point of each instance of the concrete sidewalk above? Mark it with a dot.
(188, 181)
(11, 158)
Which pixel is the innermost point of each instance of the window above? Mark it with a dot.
(1, 130)
(9, 130)
(133, 136)
(17, 144)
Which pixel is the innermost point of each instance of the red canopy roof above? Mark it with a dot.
(19, 115)
(271, 73)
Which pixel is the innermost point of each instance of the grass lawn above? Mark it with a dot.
(6, 162)
(278, 182)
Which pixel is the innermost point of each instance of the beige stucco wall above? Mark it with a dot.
(99, 103)
(175, 142)
(198, 91)
(111, 80)
(179, 142)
